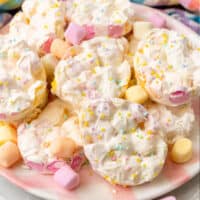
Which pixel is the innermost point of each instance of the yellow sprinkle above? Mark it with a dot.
(88, 138)
(149, 132)
(110, 78)
(75, 4)
(144, 64)
(45, 26)
(83, 94)
(130, 54)
(129, 114)
(138, 160)
(102, 116)
(103, 129)
(99, 137)
(144, 165)
(111, 153)
(53, 86)
(86, 124)
(170, 67)
(119, 114)
(118, 21)
(55, 5)
(141, 51)
(1, 83)
(155, 174)
(97, 62)
(89, 55)
(198, 49)
(165, 38)
(134, 176)
(133, 130)
(93, 71)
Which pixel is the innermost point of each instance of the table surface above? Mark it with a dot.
(189, 191)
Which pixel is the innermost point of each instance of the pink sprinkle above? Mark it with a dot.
(90, 32)
(115, 31)
(46, 46)
(114, 158)
(169, 198)
(157, 20)
(67, 178)
(179, 97)
(75, 34)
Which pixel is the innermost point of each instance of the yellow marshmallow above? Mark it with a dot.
(141, 28)
(63, 147)
(182, 150)
(59, 48)
(9, 154)
(136, 94)
(7, 133)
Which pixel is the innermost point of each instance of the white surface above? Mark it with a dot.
(189, 191)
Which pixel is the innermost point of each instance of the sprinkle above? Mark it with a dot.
(102, 116)
(86, 124)
(103, 129)
(134, 176)
(53, 86)
(149, 132)
(138, 160)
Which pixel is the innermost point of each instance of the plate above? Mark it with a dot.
(93, 187)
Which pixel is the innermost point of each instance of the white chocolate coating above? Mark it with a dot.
(173, 123)
(166, 64)
(38, 21)
(100, 14)
(99, 70)
(51, 123)
(117, 148)
(22, 80)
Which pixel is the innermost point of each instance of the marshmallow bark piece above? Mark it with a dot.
(43, 133)
(115, 145)
(9, 154)
(141, 28)
(162, 68)
(173, 123)
(108, 18)
(22, 81)
(40, 20)
(100, 69)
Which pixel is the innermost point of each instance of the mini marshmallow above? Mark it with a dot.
(75, 34)
(169, 198)
(115, 31)
(182, 150)
(90, 32)
(59, 47)
(63, 147)
(141, 28)
(136, 94)
(157, 20)
(7, 133)
(9, 154)
(67, 178)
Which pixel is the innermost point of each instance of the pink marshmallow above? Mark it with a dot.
(157, 20)
(75, 34)
(169, 198)
(179, 97)
(90, 32)
(67, 178)
(115, 31)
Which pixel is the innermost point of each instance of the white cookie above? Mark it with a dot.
(115, 145)
(166, 64)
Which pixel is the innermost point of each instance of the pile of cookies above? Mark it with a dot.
(89, 80)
